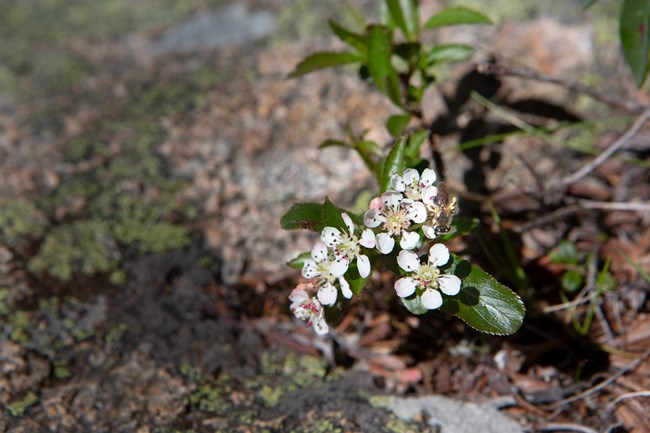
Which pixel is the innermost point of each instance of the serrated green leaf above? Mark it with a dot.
(483, 303)
(355, 40)
(323, 60)
(456, 15)
(298, 262)
(397, 123)
(635, 37)
(449, 53)
(303, 216)
(379, 65)
(572, 281)
(394, 164)
(332, 215)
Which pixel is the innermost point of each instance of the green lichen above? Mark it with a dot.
(80, 248)
(271, 395)
(20, 222)
(19, 326)
(18, 408)
(60, 370)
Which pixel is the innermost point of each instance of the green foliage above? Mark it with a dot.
(402, 71)
(635, 37)
(20, 221)
(19, 407)
(81, 248)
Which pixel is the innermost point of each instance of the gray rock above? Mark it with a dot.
(453, 416)
(229, 25)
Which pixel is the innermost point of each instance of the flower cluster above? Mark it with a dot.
(412, 205)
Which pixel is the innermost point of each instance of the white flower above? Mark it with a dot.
(388, 213)
(412, 184)
(324, 269)
(347, 245)
(308, 308)
(426, 279)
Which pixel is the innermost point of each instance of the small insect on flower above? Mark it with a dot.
(440, 212)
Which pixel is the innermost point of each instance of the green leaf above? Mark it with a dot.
(414, 305)
(566, 253)
(298, 262)
(330, 142)
(332, 215)
(456, 15)
(404, 13)
(572, 281)
(484, 303)
(463, 226)
(369, 152)
(357, 283)
(324, 59)
(379, 66)
(396, 123)
(303, 216)
(394, 164)
(414, 143)
(355, 40)
(449, 53)
(635, 37)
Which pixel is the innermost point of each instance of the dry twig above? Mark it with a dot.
(556, 426)
(631, 366)
(500, 69)
(626, 396)
(615, 146)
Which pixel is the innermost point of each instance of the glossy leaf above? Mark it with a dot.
(484, 303)
(456, 15)
(414, 143)
(397, 123)
(330, 142)
(303, 216)
(449, 53)
(332, 215)
(635, 37)
(394, 164)
(369, 152)
(323, 60)
(355, 40)
(404, 13)
(379, 66)
(298, 262)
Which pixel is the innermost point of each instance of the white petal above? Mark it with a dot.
(409, 240)
(385, 243)
(320, 326)
(428, 194)
(431, 299)
(410, 175)
(417, 212)
(309, 269)
(408, 261)
(330, 236)
(339, 267)
(327, 294)
(428, 177)
(391, 199)
(298, 296)
(348, 222)
(429, 231)
(449, 284)
(373, 218)
(405, 287)
(363, 263)
(397, 183)
(319, 252)
(345, 288)
(368, 239)
(438, 255)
